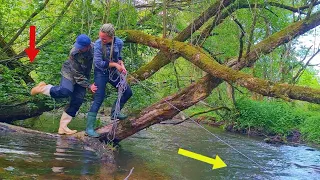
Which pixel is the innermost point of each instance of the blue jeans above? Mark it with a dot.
(67, 89)
(101, 78)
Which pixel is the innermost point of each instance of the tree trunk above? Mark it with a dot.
(36, 107)
(161, 110)
(212, 67)
(162, 58)
(230, 94)
(195, 92)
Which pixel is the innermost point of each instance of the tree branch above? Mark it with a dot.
(254, 21)
(301, 70)
(9, 44)
(10, 52)
(198, 113)
(43, 35)
(198, 91)
(242, 33)
(210, 66)
(312, 4)
(163, 58)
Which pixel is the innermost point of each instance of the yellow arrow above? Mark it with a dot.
(217, 163)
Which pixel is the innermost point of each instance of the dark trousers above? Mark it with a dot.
(67, 89)
(101, 78)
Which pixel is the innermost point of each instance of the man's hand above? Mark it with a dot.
(124, 70)
(93, 88)
(121, 69)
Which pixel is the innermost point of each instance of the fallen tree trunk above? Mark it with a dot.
(209, 65)
(203, 87)
(163, 110)
(24, 110)
(163, 58)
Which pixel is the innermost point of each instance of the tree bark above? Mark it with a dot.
(161, 110)
(230, 94)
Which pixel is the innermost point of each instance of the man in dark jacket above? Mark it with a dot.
(74, 82)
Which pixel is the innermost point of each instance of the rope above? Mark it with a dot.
(122, 87)
(204, 127)
(129, 174)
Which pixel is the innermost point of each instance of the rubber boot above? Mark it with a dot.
(64, 121)
(90, 125)
(120, 115)
(41, 88)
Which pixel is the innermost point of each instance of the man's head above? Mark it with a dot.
(106, 33)
(82, 42)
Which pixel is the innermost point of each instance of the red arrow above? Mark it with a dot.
(32, 51)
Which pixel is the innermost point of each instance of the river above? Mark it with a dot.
(153, 153)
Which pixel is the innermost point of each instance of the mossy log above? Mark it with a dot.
(264, 47)
(24, 110)
(163, 58)
(197, 91)
(209, 65)
(162, 110)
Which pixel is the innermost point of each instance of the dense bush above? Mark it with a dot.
(273, 117)
(277, 118)
(310, 128)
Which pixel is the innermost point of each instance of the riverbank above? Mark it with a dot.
(294, 137)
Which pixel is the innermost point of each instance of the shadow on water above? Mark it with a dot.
(153, 154)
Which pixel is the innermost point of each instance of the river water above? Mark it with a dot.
(153, 154)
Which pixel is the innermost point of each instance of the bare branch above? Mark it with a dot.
(254, 21)
(198, 113)
(242, 33)
(9, 44)
(312, 4)
(293, 9)
(314, 64)
(43, 35)
(301, 70)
